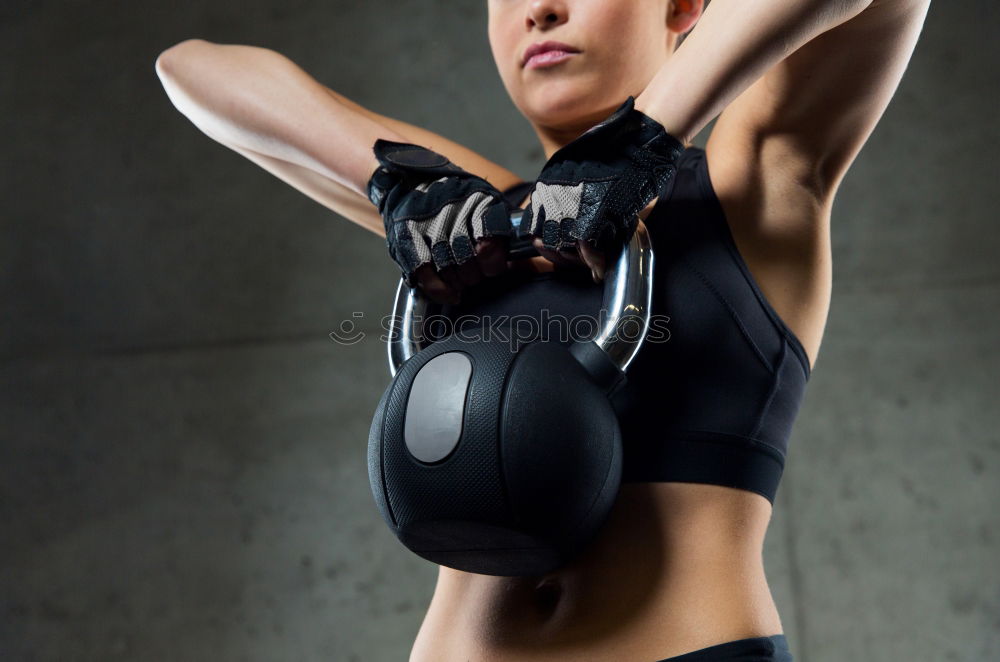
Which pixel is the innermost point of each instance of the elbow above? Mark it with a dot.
(167, 60)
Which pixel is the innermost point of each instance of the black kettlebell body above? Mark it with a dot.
(509, 464)
(504, 457)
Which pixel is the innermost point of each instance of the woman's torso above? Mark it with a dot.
(678, 566)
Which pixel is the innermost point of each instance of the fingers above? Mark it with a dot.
(434, 287)
(469, 273)
(582, 255)
(491, 254)
(446, 285)
(593, 258)
(490, 260)
(451, 278)
(558, 258)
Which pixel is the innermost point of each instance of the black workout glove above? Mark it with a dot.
(434, 212)
(592, 188)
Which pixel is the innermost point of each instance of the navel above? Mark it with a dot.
(547, 596)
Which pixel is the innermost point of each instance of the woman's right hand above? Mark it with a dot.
(445, 227)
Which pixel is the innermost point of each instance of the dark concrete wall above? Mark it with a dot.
(182, 447)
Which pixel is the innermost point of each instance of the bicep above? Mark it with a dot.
(816, 108)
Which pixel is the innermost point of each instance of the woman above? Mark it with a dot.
(742, 233)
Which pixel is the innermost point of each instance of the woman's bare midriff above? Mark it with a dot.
(675, 568)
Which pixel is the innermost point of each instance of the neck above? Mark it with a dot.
(553, 138)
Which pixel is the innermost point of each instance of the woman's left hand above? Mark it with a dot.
(585, 201)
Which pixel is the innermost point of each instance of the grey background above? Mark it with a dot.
(182, 447)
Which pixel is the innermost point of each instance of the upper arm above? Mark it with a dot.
(357, 208)
(500, 177)
(810, 114)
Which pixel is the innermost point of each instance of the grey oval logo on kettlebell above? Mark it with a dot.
(435, 407)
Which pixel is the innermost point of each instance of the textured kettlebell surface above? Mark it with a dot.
(467, 483)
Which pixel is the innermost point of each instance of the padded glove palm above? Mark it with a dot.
(434, 211)
(592, 188)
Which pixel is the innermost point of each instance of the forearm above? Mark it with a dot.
(730, 47)
(260, 100)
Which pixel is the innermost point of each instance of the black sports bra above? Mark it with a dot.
(715, 389)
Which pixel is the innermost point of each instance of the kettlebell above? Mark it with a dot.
(505, 460)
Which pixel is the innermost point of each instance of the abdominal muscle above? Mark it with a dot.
(676, 567)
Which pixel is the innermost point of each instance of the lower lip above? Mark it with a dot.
(547, 58)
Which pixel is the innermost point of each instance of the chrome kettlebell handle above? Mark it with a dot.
(628, 289)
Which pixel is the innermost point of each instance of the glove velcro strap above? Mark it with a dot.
(405, 162)
(404, 158)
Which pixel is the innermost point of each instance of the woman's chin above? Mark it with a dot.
(559, 106)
